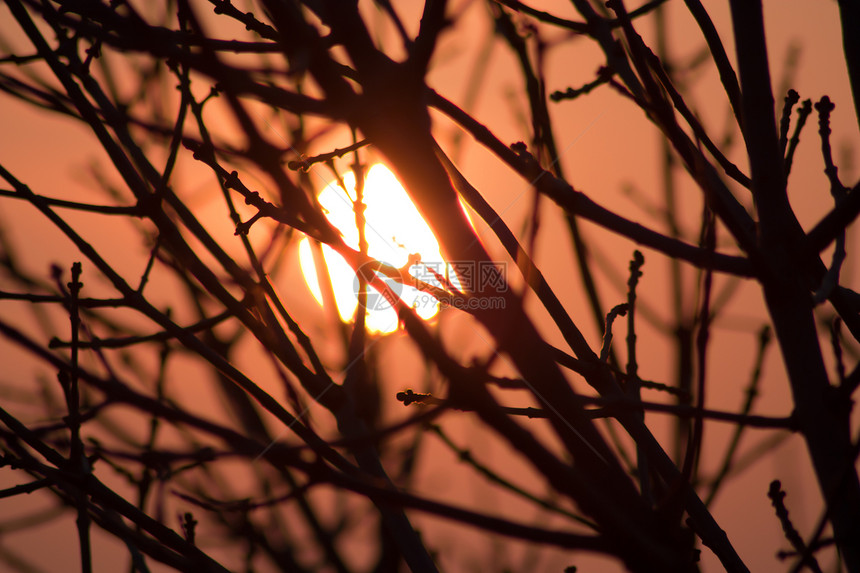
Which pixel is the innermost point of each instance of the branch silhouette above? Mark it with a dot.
(199, 407)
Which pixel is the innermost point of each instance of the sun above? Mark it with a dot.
(395, 232)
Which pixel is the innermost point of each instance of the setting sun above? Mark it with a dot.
(395, 231)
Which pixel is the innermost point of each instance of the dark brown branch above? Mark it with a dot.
(162, 336)
(578, 27)
(718, 53)
(824, 425)
(579, 204)
(133, 211)
(613, 407)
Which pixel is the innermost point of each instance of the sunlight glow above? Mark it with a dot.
(394, 229)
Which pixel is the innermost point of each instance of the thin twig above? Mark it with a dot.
(764, 340)
(467, 457)
(777, 497)
(802, 113)
(77, 460)
(785, 122)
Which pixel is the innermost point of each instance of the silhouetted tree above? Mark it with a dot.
(306, 463)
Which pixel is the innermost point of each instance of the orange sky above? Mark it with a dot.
(606, 145)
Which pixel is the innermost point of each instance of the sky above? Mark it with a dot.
(608, 150)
